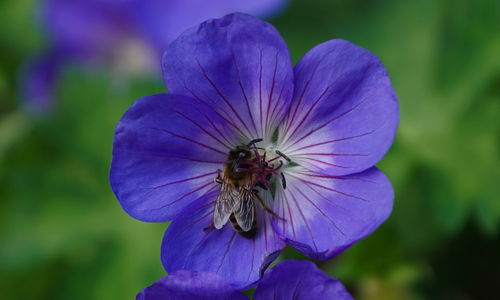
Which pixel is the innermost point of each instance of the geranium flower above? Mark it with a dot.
(291, 279)
(232, 82)
(127, 35)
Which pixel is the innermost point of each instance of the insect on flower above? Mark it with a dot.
(244, 171)
(285, 154)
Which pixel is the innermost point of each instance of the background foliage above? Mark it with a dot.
(63, 235)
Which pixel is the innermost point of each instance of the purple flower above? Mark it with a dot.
(188, 285)
(294, 279)
(291, 279)
(128, 35)
(231, 80)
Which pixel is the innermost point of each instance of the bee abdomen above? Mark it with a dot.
(247, 234)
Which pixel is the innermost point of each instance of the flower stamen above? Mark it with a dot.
(262, 167)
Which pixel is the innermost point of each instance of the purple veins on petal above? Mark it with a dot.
(240, 66)
(344, 112)
(189, 245)
(161, 162)
(327, 214)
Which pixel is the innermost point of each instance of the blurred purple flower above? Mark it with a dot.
(291, 279)
(232, 81)
(128, 35)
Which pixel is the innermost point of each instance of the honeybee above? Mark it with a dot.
(244, 170)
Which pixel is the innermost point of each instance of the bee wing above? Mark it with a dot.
(244, 210)
(224, 205)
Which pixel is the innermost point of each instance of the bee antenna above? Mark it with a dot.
(283, 155)
(254, 141)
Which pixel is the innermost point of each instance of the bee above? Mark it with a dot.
(242, 172)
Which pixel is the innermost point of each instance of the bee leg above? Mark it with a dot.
(264, 206)
(218, 179)
(210, 226)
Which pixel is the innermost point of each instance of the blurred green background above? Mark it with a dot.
(63, 235)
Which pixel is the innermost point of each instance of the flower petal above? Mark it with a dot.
(166, 152)
(238, 64)
(301, 280)
(325, 214)
(344, 114)
(188, 285)
(239, 260)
